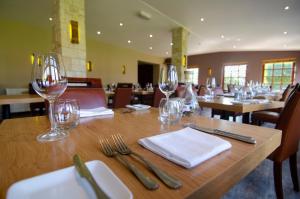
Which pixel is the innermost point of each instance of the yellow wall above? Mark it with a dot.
(108, 60)
(17, 42)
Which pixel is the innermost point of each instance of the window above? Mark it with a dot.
(234, 74)
(193, 75)
(279, 74)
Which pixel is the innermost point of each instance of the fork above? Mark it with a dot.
(109, 151)
(123, 149)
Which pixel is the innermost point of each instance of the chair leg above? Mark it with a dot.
(234, 118)
(293, 170)
(277, 172)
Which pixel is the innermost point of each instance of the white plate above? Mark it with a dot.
(138, 107)
(67, 184)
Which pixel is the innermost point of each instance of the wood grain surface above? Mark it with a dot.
(20, 99)
(23, 157)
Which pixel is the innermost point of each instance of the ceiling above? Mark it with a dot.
(227, 25)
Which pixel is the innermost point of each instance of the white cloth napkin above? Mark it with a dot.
(186, 147)
(138, 107)
(95, 112)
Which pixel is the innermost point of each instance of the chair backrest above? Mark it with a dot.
(289, 123)
(87, 97)
(122, 97)
(124, 85)
(79, 82)
(179, 92)
(286, 92)
(158, 95)
(230, 88)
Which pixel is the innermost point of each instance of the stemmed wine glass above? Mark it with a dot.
(168, 80)
(49, 80)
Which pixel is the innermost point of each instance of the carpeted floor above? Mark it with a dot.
(259, 184)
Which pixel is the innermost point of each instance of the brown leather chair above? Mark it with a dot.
(179, 92)
(289, 123)
(272, 115)
(124, 85)
(37, 108)
(87, 97)
(122, 97)
(201, 90)
(158, 95)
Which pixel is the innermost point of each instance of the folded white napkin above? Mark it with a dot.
(186, 147)
(138, 107)
(95, 112)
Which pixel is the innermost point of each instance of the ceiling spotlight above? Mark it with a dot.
(150, 47)
(150, 35)
(202, 19)
(167, 53)
(238, 39)
(129, 41)
(121, 24)
(171, 44)
(287, 7)
(234, 46)
(222, 36)
(285, 32)
(50, 18)
(98, 33)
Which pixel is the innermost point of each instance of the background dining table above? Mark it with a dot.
(22, 156)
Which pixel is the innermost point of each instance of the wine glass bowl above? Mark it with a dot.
(49, 80)
(168, 80)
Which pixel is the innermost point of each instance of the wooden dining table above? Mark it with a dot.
(22, 156)
(227, 104)
(7, 100)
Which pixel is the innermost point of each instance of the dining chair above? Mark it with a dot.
(201, 90)
(37, 108)
(87, 97)
(272, 115)
(289, 123)
(122, 97)
(124, 85)
(180, 90)
(84, 82)
(158, 95)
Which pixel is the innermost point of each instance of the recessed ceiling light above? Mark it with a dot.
(98, 32)
(285, 32)
(202, 19)
(171, 44)
(285, 45)
(222, 36)
(50, 18)
(121, 24)
(150, 35)
(150, 47)
(129, 41)
(167, 52)
(287, 7)
(238, 39)
(234, 46)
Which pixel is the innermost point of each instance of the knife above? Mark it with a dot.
(242, 138)
(85, 173)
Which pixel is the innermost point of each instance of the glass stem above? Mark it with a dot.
(51, 115)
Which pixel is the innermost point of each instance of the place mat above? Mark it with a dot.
(186, 147)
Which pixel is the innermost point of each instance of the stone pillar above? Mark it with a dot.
(179, 51)
(73, 54)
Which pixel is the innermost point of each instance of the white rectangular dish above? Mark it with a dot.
(67, 184)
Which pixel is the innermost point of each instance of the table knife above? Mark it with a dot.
(85, 173)
(242, 138)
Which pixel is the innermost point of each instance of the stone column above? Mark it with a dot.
(73, 54)
(179, 51)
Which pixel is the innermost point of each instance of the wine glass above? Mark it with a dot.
(208, 86)
(168, 80)
(49, 80)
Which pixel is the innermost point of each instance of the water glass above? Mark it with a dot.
(170, 111)
(66, 114)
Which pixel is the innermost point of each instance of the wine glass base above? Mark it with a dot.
(52, 136)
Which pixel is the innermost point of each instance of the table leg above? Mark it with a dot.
(246, 118)
(6, 111)
(224, 116)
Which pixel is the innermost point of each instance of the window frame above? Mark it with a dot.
(273, 62)
(233, 64)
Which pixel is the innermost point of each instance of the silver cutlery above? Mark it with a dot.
(122, 148)
(85, 173)
(109, 151)
(235, 136)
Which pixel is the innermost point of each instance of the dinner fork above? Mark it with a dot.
(122, 148)
(109, 151)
